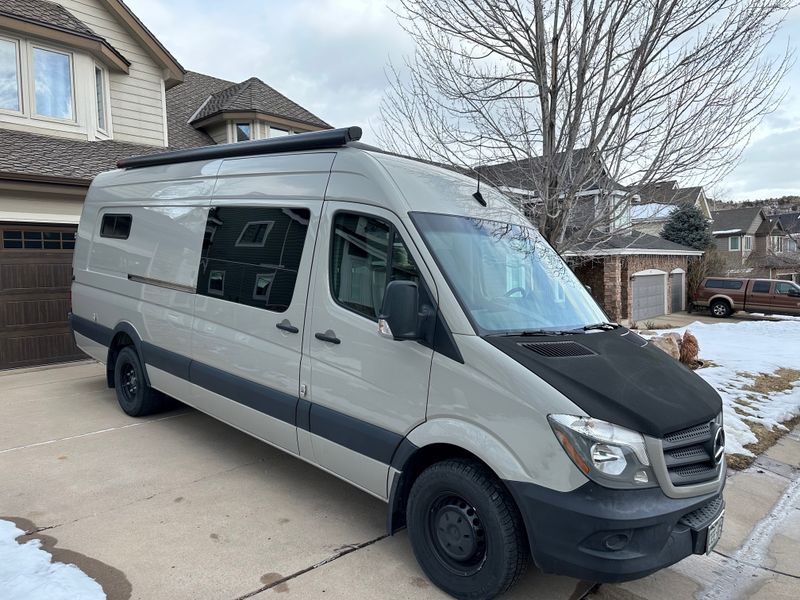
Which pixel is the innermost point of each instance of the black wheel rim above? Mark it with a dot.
(456, 534)
(129, 382)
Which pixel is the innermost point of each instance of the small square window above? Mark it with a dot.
(243, 132)
(733, 244)
(216, 283)
(116, 226)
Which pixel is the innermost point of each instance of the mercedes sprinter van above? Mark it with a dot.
(387, 321)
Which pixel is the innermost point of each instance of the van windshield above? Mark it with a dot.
(506, 276)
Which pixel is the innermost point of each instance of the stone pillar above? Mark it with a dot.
(612, 293)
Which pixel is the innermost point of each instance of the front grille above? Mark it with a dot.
(558, 349)
(689, 453)
(703, 516)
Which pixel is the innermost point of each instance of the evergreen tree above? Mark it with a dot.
(688, 226)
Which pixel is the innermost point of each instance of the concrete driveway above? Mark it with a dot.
(181, 506)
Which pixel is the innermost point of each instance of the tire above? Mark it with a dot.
(465, 530)
(720, 309)
(135, 397)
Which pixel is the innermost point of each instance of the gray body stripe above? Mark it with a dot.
(354, 434)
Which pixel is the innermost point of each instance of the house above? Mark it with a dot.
(83, 83)
(754, 244)
(654, 203)
(634, 275)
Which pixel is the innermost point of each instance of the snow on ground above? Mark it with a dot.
(739, 352)
(26, 572)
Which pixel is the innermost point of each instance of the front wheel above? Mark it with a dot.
(465, 530)
(135, 397)
(720, 309)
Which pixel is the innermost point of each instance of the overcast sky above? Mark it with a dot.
(330, 56)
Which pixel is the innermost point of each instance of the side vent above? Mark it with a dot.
(558, 349)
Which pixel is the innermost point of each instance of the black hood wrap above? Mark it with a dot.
(638, 387)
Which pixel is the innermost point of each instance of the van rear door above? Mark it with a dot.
(367, 391)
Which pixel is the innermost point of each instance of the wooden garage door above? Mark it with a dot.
(35, 279)
(649, 295)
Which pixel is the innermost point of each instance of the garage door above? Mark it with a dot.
(676, 282)
(35, 279)
(649, 295)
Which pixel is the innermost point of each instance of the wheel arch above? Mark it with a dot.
(438, 440)
(124, 334)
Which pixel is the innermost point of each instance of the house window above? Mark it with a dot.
(277, 132)
(243, 132)
(748, 243)
(262, 285)
(100, 94)
(254, 234)
(777, 243)
(733, 244)
(216, 283)
(52, 83)
(9, 75)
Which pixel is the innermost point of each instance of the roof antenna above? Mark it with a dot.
(477, 195)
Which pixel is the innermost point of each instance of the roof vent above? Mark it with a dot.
(558, 349)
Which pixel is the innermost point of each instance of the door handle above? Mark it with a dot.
(285, 325)
(329, 336)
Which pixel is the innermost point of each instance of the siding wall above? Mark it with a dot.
(137, 103)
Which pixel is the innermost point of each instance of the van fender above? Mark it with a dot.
(436, 440)
(130, 330)
(475, 440)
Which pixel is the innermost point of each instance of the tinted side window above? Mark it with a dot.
(783, 288)
(733, 285)
(715, 283)
(761, 287)
(366, 254)
(251, 255)
(116, 226)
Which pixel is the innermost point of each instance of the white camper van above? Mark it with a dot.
(387, 321)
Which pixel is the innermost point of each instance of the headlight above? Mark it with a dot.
(606, 453)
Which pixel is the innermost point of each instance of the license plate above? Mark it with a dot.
(714, 533)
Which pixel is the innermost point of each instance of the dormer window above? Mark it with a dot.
(277, 132)
(52, 83)
(243, 132)
(9, 75)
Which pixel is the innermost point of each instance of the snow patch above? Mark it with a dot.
(27, 573)
(740, 352)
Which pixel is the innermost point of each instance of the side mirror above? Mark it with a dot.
(588, 288)
(399, 318)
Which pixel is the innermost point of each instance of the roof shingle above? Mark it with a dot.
(49, 156)
(46, 13)
(183, 100)
(253, 95)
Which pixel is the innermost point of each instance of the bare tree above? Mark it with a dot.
(571, 95)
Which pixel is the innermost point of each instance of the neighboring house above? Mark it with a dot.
(633, 275)
(83, 83)
(755, 245)
(655, 203)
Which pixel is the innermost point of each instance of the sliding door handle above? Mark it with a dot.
(285, 325)
(329, 336)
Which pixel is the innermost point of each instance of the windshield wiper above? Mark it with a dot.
(603, 326)
(533, 332)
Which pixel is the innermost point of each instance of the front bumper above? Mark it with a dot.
(606, 535)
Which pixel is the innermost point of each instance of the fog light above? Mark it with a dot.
(616, 542)
(641, 477)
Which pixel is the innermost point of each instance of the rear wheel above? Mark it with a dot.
(465, 530)
(135, 397)
(720, 309)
